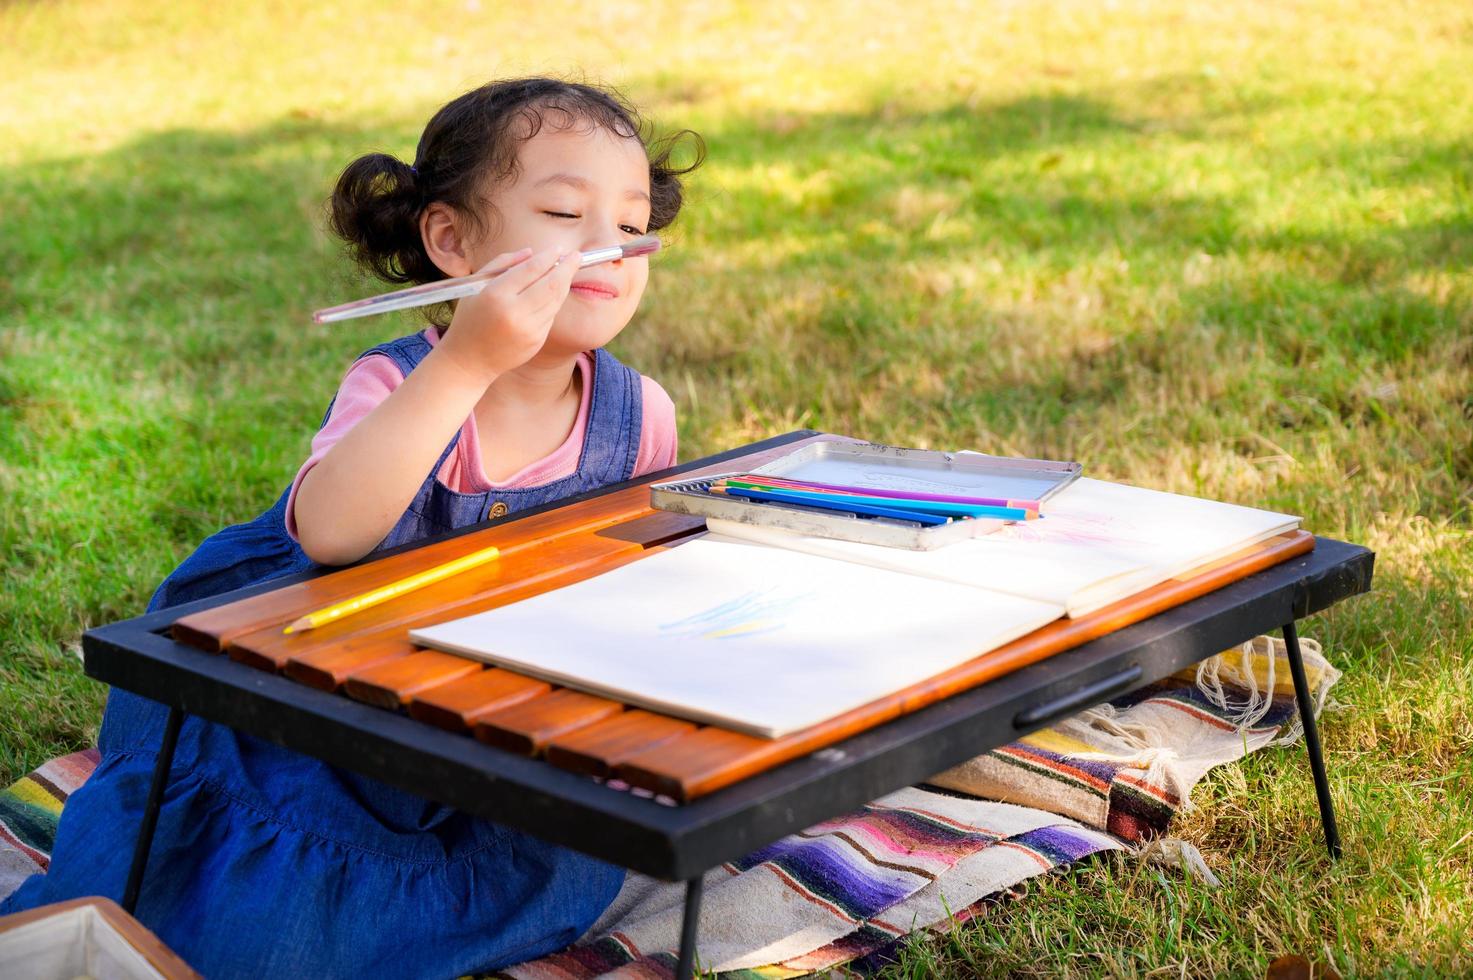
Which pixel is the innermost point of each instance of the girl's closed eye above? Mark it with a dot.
(627, 229)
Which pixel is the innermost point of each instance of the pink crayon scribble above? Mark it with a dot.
(1074, 529)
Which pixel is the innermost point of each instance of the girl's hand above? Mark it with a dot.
(504, 325)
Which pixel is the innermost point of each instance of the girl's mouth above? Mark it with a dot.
(593, 289)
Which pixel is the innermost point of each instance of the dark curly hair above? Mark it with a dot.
(471, 142)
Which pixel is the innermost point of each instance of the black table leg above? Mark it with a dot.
(1312, 739)
(685, 965)
(151, 811)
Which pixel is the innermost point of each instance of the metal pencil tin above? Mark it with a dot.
(873, 466)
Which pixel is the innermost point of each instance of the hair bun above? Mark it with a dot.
(375, 209)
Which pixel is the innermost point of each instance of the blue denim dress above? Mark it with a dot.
(267, 862)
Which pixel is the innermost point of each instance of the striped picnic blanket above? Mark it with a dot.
(1128, 766)
(842, 890)
(29, 809)
(846, 893)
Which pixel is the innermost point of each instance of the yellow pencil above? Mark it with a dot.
(384, 593)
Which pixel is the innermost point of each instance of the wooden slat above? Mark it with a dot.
(393, 682)
(456, 706)
(709, 758)
(526, 728)
(219, 628)
(706, 760)
(598, 748)
(327, 668)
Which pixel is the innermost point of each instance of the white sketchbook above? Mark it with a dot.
(770, 632)
(760, 639)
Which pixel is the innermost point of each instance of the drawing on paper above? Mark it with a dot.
(750, 614)
(1097, 529)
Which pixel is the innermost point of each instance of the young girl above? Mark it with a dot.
(270, 863)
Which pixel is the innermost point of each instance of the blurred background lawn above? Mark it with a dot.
(1221, 249)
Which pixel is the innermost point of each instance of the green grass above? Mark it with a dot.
(1220, 249)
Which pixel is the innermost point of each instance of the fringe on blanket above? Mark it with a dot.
(847, 893)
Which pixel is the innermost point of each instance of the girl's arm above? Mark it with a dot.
(354, 496)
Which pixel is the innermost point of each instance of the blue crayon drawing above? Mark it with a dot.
(745, 616)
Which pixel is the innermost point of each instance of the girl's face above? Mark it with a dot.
(577, 188)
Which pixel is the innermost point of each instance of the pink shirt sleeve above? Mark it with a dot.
(368, 382)
(658, 440)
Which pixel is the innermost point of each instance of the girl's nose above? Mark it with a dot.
(603, 239)
(602, 234)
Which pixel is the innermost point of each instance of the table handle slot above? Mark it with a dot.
(1079, 699)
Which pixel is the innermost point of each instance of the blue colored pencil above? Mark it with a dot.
(895, 503)
(833, 503)
(783, 483)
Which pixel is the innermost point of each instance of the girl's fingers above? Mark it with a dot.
(552, 288)
(503, 262)
(516, 279)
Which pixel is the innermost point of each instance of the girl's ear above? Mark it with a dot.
(444, 240)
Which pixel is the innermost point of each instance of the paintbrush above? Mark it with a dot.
(448, 289)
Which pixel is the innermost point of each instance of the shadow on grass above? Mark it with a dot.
(189, 260)
(873, 185)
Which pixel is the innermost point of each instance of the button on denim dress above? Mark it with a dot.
(267, 862)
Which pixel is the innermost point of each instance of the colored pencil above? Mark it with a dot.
(877, 492)
(916, 517)
(392, 591)
(922, 506)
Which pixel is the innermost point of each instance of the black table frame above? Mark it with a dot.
(679, 843)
